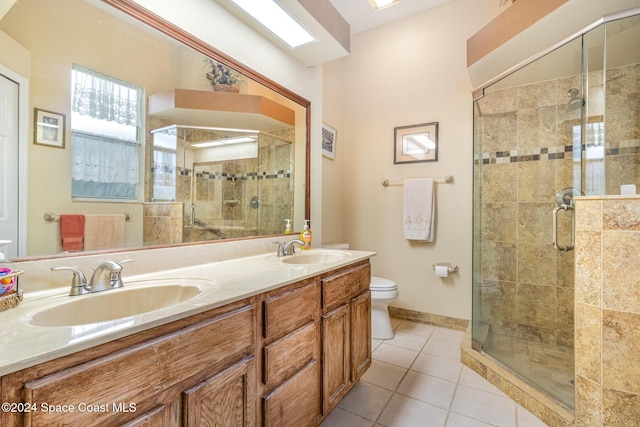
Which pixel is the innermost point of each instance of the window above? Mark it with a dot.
(165, 146)
(594, 155)
(106, 124)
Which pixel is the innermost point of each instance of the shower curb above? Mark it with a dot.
(517, 388)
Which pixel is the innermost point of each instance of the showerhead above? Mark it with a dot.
(575, 102)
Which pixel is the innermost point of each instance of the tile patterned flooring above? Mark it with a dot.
(416, 379)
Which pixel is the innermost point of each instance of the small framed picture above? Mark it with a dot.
(49, 128)
(416, 143)
(329, 137)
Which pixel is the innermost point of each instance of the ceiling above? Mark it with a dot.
(332, 22)
(361, 16)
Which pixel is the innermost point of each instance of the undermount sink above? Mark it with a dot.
(116, 304)
(313, 257)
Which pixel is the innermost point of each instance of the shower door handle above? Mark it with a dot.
(555, 228)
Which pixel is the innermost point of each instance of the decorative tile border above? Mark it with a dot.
(248, 176)
(550, 153)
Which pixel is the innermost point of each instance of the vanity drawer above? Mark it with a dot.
(289, 354)
(347, 283)
(286, 311)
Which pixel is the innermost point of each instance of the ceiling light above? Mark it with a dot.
(379, 4)
(277, 20)
(225, 141)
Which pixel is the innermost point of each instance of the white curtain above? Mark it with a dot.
(104, 97)
(164, 175)
(104, 160)
(104, 136)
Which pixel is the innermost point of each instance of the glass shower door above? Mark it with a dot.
(528, 164)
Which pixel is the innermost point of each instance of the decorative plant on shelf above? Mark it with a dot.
(221, 77)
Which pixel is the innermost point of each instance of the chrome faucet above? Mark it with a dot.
(108, 275)
(289, 249)
(281, 252)
(78, 281)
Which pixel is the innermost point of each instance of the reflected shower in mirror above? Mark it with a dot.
(223, 183)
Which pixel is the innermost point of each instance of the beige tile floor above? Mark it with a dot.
(416, 379)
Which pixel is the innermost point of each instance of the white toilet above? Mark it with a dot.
(383, 293)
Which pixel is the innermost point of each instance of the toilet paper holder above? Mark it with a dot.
(451, 268)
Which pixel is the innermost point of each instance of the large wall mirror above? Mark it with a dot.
(141, 135)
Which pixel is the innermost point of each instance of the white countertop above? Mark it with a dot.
(23, 344)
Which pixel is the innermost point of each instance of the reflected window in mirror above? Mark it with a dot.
(106, 118)
(165, 148)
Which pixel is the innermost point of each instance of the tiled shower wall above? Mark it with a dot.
(526, 287)
(607, 311)
(162, 223)
(525, 151)
(223, 190)
(245, 197)
(524, 145)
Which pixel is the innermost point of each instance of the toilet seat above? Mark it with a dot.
(380, 284)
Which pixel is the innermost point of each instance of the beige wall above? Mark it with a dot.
(409, 72)
(333, 170)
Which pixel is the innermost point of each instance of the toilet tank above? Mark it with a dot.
(336, 246)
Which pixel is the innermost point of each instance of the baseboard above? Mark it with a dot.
(428, 318)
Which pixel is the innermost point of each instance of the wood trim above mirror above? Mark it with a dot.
(149, 18)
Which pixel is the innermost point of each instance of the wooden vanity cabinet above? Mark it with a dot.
(194, 371)
(345, 330)
(283, 357)
(290, 355)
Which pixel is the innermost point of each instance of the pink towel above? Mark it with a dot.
(72, 232)
(104, 231)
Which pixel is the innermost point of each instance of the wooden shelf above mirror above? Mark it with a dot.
(222, 109)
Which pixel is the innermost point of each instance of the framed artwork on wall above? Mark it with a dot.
(416, 143)
(49, 128)
(329, 138)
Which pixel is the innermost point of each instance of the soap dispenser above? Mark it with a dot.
(287, 227)
(305, 235)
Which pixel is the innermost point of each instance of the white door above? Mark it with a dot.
(9, 164)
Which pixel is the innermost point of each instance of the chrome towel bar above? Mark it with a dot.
(51, 217)
(446, 180)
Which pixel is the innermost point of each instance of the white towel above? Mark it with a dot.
(418, 209)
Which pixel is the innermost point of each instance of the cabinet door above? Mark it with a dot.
(160, 416)
(360, 335)
(335, 356)
(226, 399)
(295, 402)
